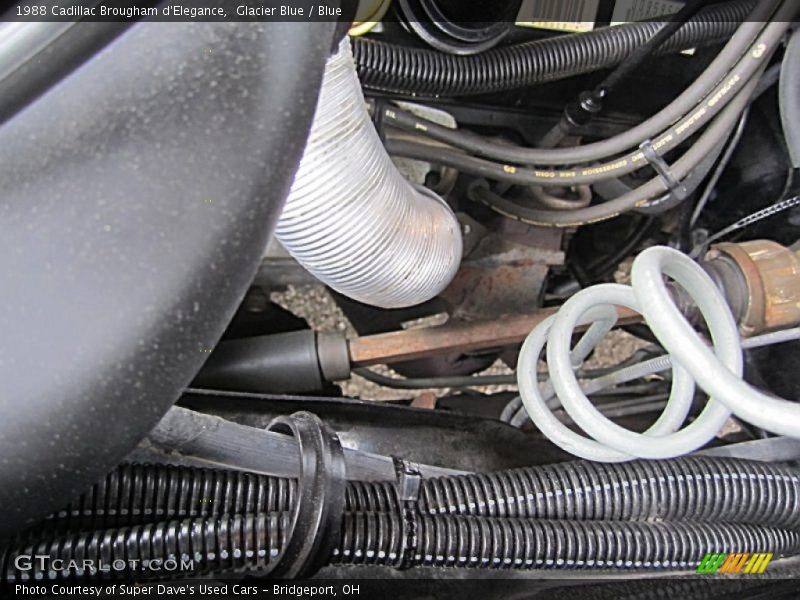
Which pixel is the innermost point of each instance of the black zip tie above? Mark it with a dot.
(675, 186)
(317, 519)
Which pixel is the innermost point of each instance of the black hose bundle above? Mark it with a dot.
(211, 545)
(664, 514)
(682, 489)
(640, 514)
(405, 70)
(136, 494)
(495, 543)
(232, 543)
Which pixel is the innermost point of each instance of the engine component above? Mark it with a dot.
(718, 97)
(224, 544)
(589, 103)
(487, 543)
(399, 346)
(790, 99)
(503, 271)
(654, 188)
(457, 27)
(300, 361)
(739, 44)
(459, 236)
(654, 491)
(111, 226)
(726, 102)
(506, 520)
(170, 492)
(439, 179)
(232, 543)
(352, 220)
(717, 371)
(413, 71)
(368, 16)
(761, 282)
(216, 441)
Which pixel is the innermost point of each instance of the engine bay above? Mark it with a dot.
(410, 290)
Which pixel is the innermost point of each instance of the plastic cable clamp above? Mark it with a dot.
(674, 185)
(316, 522)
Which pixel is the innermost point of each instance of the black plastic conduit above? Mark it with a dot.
(136, 494)
(252, 543)
(405, 70)
(491, 543)
(202, 546)
(688, 488)
(641, 514)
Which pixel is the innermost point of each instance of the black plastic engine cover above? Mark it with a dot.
(136, 198)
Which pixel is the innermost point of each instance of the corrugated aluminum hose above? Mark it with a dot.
(352, 220)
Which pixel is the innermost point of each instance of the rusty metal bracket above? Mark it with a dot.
(398, 346)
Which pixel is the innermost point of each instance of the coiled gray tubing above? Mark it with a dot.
(717, 369)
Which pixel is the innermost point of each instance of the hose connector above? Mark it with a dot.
(761, 282)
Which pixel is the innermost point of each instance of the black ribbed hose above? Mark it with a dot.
(135, 494)
(646, 514)
(692, 488)
(494, 543)
(252, 543)
(405, 70)
(221, 544)
(688, 488)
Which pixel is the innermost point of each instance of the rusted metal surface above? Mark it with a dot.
(771, 273)
(504, 273)
(480, 292)
(426, 400)
(398, 346)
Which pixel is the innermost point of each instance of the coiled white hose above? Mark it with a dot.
(716, 369)
(352, 220)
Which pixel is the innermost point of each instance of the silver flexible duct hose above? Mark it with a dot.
(352, 220)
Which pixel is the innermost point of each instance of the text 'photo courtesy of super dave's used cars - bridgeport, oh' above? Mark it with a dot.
(400, 298)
